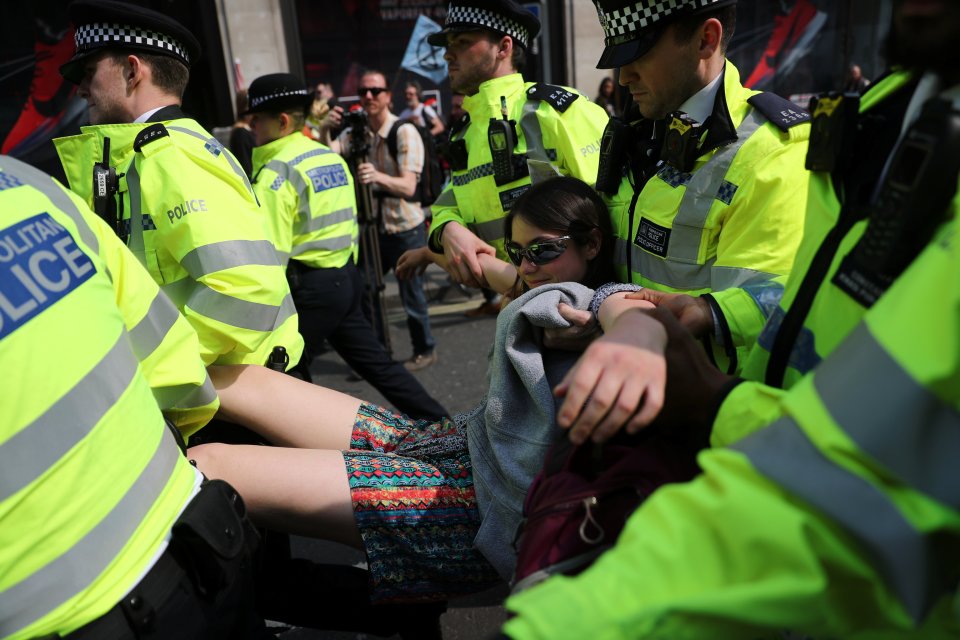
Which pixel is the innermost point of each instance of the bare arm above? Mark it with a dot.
(283, 409)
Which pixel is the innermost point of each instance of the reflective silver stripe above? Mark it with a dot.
(135, 241)
(179, 291)
(45, 185)
(447, 198)
(153, 328)
(678, 275)
(324, 244)
(309, 225)
(283, 257)
(237, 169)
(287, 172)
(240, 313)
(489, 231)
(186, 396)
(74, 571)
(700, 193)
(532, 132)
(729, 277)
(309, 154)
(37, 447)
(902, 425)
(908, 562)
(228, 254)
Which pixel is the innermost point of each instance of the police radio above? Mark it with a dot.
(832, 131)
(502, 138)
(681, 142)
(613, 147)
(105, 186)
(912, 200)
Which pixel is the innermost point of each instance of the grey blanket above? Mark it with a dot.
(509, 433)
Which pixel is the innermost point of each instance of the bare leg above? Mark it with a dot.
(300, 491)
(286, 411)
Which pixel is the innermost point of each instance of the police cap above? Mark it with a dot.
(277, 92)
(505, 17)
(632, 27)
(110, 24)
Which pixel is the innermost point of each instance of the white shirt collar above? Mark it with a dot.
(146, 116)
(699, 106)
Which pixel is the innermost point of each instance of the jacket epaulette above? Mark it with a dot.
(556, 96)
(780, 111)
(148, 135)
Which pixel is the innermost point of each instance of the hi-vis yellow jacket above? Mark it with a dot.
(91, 479)
(306, 192)
(730, 227)
(193, 222)
(558, 133)
(835, 513)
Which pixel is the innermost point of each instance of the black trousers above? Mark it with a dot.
(201, 588)
(329, 302)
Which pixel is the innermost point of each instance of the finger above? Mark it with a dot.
(629, 397)
(653, 399)
(577, 387)
(576, 317)
(474, 264)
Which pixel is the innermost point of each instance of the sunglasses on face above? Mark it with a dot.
(373, 91)
(538, 253)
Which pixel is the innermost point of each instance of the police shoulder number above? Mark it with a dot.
(557, 97)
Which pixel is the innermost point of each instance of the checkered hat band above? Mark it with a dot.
(490, 20)
(91, 36)
(622, 25)
(259, 100)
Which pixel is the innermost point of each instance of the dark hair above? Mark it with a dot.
(169, 74)
(376, 72)
(518, 57)
(413, 84)
(569, 206)
(688, 24)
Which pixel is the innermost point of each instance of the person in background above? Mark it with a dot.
(606, 97)
(855, 82)
(420, 114)
(394, 181)
(308, 197)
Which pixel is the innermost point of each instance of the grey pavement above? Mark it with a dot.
(457, 381)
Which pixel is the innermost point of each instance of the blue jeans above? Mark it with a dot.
(392, 246)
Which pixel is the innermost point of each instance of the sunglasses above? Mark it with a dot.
(373, 91)
(538, 253)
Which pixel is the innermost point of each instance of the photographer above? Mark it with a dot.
(308, 195)
(393, 176)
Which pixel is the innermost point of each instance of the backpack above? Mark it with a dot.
(431, 178)
(580, 500)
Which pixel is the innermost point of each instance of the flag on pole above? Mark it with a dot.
(422, 57)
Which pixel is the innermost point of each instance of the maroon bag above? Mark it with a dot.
(582, 497)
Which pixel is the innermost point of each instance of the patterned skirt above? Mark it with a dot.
(413, 499)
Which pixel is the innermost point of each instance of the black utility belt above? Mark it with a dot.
(210, 533)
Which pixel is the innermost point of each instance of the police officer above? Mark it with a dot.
(307, 194)
(183, 203)
(513, 130)
(108, 531)
(833, 512)
(704, 178)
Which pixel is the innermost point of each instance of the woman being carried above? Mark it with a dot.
(435, 505)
